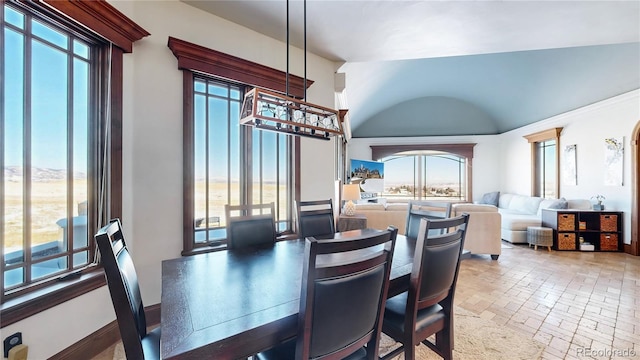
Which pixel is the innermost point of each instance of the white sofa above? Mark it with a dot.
(520, 211)
(483, 235)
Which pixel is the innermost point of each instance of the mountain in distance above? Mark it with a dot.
(15, 174)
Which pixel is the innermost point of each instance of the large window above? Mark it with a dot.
(426, 171)
(60, 146)
(234, 164)
(426, 175)
(545, 163)
(49, 126)
(225, 162)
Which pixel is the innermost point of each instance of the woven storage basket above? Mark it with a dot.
(608, 222)
(566, 241)
(566, 222)
(609, 242)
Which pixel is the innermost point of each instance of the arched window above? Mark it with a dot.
(427, 171)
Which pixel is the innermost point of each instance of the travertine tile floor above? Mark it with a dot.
(578, 304)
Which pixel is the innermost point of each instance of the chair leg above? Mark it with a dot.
(410, 352)
(444, 343)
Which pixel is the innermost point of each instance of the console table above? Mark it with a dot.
(571, 228)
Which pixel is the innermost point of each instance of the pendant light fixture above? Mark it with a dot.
(269, 110)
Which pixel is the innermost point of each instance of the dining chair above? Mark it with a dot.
(315, 218)
(427, 307)
(345, 281)
(250, 225)
(419, 209)
(125, 294)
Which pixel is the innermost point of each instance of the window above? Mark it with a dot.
(426, 171)
(60, 146)
(225, 162)
(425, 176)
(234, 164)
(545, 172)
(46, 152)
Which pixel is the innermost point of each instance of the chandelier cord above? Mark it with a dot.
(287, 77)
(304, 17)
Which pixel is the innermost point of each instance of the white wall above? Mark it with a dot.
(586, 127)
(152, 154)
(503, 162)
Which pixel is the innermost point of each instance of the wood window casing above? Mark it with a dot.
(193, 59)
(534, 139)
(463, 150)
(113, 26)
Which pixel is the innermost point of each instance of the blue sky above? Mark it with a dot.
(49, 91)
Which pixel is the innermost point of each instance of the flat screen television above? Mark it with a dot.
(369, 174)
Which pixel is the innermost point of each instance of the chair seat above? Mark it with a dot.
(394, 312)
(151, 344)
(288, 351)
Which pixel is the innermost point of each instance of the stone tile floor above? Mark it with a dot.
(578, 304)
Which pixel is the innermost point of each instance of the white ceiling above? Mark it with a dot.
(371, 36)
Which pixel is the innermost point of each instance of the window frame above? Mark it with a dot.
(465, 151)
(113, 27)
(195, 59)
(535, 140)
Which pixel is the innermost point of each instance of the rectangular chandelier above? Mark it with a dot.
(275, 112)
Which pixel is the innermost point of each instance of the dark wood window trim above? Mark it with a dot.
(541, 136)
(194, 58)
(102, 18)
(463, 150)
(114, 26)
(381, 151)
(198, 58)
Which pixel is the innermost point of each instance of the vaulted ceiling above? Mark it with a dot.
(417, 68)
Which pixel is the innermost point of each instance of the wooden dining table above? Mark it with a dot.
(232, 304)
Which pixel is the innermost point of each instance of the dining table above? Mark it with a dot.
(232, 304)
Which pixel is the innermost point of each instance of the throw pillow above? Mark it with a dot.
(559, 204)
(490, 198)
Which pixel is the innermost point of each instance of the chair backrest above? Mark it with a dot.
(345, 281)
(123, 287)
(436, 262)
(250, 225)
(315, 218)
(419, 209)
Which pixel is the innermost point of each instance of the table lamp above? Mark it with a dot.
(350, 192)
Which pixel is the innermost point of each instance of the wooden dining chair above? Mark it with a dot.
(427, 307)
(125, 294)
(250, 225)
(342, 298)
(315, 218)
(419, 209)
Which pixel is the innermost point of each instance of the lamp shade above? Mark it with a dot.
(351, 192)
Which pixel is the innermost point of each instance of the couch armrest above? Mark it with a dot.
(458, 209)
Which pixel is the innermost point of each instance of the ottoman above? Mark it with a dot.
(538, 235)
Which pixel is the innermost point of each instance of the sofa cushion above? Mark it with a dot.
(505, 200)
(370, 206)
(460, 208)
(525, 204)
(491, 198)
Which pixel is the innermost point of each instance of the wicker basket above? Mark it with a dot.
(566, 241)
(609, 242)
(566, 222)
(609, 223)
